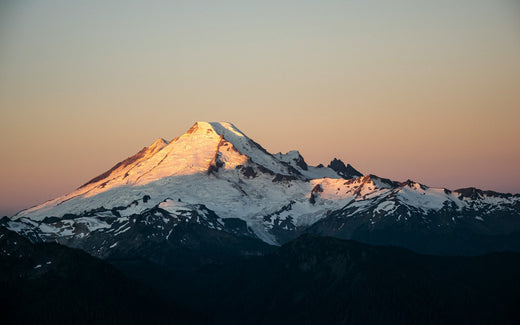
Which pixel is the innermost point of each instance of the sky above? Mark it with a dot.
(421, 90)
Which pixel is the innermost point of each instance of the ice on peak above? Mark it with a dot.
(220, 128)
(225, 127)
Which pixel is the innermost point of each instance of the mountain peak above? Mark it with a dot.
(160, 142)
(293, 156)
(220, 128)
(346, 172)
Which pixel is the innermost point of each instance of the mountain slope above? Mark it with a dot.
(172, 233)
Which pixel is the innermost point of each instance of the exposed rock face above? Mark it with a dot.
(346, 172)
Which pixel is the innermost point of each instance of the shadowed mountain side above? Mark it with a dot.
(53, 284)
(322, 280)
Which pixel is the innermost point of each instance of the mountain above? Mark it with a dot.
(47, 283)
(214, 189)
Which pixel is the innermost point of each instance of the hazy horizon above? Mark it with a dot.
(405, 90)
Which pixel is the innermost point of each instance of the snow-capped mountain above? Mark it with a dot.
(216, 177)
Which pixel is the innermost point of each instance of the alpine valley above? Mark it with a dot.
(212, 211)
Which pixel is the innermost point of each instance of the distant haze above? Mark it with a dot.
(422, 90)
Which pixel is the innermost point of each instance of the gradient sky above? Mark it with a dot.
(422, 90)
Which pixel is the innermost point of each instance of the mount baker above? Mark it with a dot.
(215, 186)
